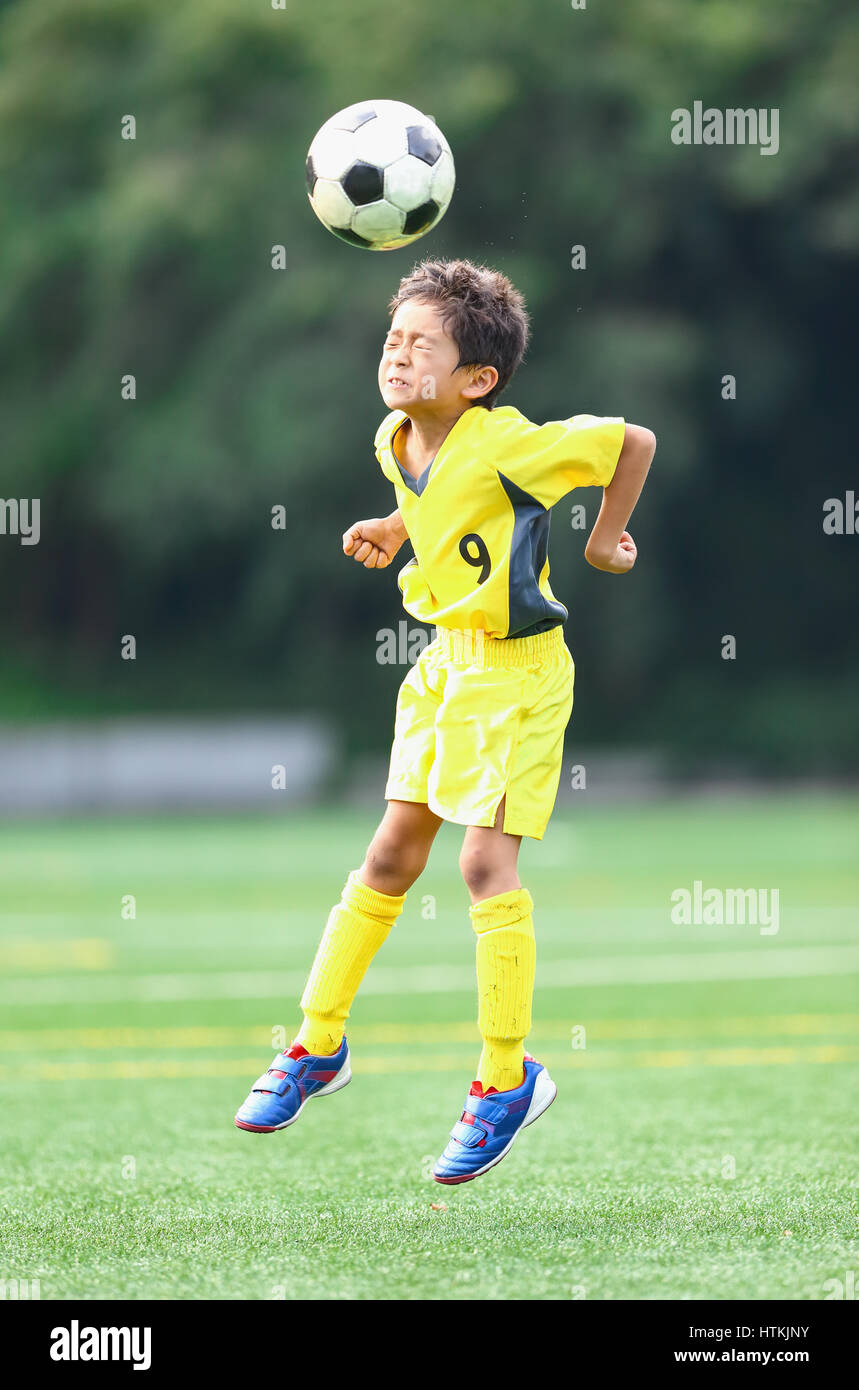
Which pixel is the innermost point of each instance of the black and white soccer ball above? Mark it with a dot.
(380, 174)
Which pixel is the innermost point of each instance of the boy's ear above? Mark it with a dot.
(482, 381)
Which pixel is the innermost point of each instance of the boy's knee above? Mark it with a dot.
(395, 861)
(478, 869)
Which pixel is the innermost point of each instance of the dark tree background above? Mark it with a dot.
(257, 387)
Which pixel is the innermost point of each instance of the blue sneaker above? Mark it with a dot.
(281, 1093)
(491, 1121)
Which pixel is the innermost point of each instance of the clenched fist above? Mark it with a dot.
(374, 543)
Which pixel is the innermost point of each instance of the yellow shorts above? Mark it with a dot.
(481, 718)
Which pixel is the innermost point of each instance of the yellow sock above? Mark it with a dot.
(506, 960)
(356, 929)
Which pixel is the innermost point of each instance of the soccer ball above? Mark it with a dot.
(379, 174)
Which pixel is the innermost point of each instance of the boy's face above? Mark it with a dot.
(418, 371)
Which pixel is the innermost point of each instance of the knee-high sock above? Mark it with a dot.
(506, 959)
(356, 929)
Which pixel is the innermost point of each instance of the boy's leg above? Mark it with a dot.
(370, 904)
(506, 951)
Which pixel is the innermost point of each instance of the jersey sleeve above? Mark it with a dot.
(548, 461)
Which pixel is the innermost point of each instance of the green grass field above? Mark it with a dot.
(703, 1144)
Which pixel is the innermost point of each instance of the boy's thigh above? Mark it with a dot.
(500, 734)
(476, 733)
(414, 746)
(536, 768)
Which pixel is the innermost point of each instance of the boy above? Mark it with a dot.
(481, 715)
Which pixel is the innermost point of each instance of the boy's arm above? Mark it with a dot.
(610, 546)
(374, 543)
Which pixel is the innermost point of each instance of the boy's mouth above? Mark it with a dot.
(397, 382)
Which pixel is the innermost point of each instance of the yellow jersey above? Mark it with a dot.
(478, 516)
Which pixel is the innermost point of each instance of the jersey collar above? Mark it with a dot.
(418, 485)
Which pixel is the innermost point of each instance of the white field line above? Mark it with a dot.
(767, 963)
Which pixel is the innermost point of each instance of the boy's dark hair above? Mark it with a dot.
(483, 312)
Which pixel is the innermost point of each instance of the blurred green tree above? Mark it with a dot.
(256, 387)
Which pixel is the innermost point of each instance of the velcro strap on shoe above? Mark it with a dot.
(269, 1081)
(293, 1066)
(486, 1108)
(470, 1136)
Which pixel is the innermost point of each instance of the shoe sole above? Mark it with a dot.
(545, 1092)
(343, 1077)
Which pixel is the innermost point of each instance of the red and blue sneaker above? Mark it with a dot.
(490, 1122)
(281, 1093)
